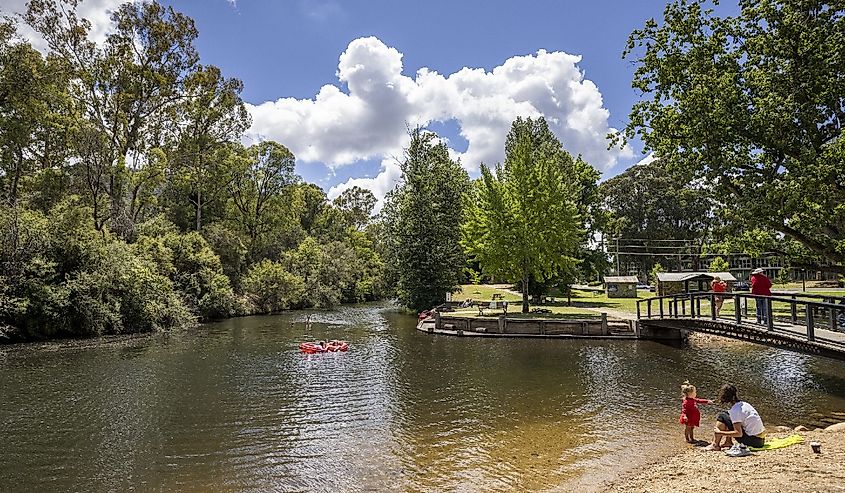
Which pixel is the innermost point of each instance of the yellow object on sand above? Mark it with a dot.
(779, 443)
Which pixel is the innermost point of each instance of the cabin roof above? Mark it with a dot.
(693, 276)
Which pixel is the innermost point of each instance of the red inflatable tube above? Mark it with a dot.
(314, 348)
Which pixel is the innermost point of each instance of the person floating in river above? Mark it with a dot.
(741, 422)
(690, 415)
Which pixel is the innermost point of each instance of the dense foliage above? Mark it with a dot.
(523, 219)
(127, 202)
(422, 220)
(753, 105)
(654, 213)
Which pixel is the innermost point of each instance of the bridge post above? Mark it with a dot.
(692, 305)
(832, 317)
(712, 307)
(698, 307)
(737, 310)
(661, 307)
(770, 322)
(638, 310)
(793, 311)
(648, 308)
(811, 330)
(684, 307)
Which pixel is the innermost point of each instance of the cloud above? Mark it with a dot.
(366, 116)
(650, 158)
(98, 12)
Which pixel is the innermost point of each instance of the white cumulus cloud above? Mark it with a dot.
(367, 115)
(98, 13)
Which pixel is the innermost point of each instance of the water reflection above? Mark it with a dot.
(235, 407)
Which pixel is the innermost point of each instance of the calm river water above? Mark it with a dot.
(234, 407)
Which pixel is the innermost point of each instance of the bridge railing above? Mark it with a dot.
(805, 314)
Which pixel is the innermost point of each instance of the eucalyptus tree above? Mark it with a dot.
(35, 112)
(212, 116)
(754, 105)
(127, 89)
(262, 173)
(522, 220)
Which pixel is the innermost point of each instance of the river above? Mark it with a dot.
(234, 407)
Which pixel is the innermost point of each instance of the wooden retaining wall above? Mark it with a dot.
(532, 327)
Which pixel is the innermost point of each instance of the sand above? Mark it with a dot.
(790, 469)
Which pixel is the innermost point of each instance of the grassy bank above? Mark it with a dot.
(584, 304)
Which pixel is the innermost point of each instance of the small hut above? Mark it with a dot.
(621, 286)
(685, 282)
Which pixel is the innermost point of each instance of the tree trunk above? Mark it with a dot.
(199, 209)
(525, 293)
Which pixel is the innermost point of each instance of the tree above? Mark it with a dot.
(357, 204)
(422, 218)
(34, 112)
(718, 264)
(214, 115)
(265, 170)
(753, 105)
(649, 204)
(127, 90)
(523, 221)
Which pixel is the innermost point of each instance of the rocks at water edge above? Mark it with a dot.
(801, 428)
(783, 428)
(840, 427)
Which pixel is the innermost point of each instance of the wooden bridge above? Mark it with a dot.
(806, 323)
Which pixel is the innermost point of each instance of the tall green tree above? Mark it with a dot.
(214, 115)
(753, 105)
(650, 203)
(128, 90)
(523, 220)
(265, 171)
(422, 218)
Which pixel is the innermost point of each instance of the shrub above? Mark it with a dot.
(272, 288)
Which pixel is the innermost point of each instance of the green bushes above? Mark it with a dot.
(61, 278)
(271, 288)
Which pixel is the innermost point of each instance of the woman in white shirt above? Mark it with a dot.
(742, 422)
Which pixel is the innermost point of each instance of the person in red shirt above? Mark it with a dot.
(717, 285)
(690, 415)
(761, 286)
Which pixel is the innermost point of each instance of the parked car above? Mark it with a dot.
(741, 286)
(645, 286)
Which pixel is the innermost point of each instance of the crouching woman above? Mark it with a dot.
(741, 423)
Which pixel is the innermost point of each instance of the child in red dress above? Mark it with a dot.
(690, 415)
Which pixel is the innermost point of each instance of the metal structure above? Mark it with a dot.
(803, 323)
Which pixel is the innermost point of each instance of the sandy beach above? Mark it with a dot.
(790, 469)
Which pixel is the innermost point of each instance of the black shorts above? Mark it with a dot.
(746, 439)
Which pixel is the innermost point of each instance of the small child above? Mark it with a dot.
(690, 415)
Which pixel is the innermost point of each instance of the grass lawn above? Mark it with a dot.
(589, 304)
(585, 304)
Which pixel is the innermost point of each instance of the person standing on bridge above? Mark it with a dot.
(717, 285)
(760, 286)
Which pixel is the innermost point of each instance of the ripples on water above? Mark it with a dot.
(236, 407)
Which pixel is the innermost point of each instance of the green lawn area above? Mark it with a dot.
(585, 304)
(588, 304)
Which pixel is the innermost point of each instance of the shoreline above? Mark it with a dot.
(791, 469)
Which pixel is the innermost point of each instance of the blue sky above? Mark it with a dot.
(290, 49)
(338, 82)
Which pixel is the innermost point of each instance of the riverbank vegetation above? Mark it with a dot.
(129, 203)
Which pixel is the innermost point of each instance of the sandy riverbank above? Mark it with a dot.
(791, 469)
